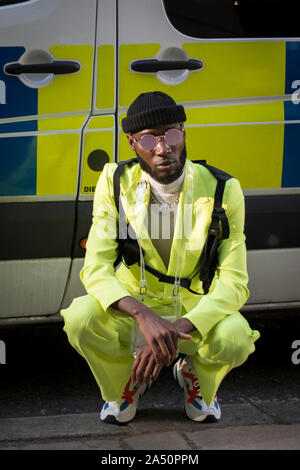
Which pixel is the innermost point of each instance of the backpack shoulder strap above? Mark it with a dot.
(218, 213)
(209, 258)
(122, 227)
(116, 178)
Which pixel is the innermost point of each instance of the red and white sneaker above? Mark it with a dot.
(124, 410)
(195, 406)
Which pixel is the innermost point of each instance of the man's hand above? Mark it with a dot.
(161, 335)
(145, 369)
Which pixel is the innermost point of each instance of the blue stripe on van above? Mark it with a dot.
(292, 72)
(291, 160)
(21, 126)
(16, 99)
(292, 79)
(292, 110)
(18, 161)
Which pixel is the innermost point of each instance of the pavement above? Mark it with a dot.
(247, 427)
(57, 408)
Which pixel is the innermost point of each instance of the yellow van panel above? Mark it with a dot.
(251, 153)
(101, 122)
(94, 141)
(106, 77)
(131, 83)
(255, 112)
(231, 70)
(61, 123)
(57, 164)
(236, 70)
(70, 92)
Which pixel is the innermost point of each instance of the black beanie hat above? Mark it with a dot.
(151, 109)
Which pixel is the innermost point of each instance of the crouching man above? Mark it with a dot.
(156, 294)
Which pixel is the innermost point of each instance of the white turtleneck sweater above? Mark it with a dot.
(162, 214)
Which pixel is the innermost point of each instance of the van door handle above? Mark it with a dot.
(154, 65)
(59, 67)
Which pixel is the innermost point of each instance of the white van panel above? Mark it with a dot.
(27, 286)
(42, 23)
(75, 287)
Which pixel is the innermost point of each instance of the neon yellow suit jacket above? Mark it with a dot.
(228, 292)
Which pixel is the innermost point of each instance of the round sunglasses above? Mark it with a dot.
(149, 141)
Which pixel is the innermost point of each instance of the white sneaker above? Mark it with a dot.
(123, 411)
(195, 406)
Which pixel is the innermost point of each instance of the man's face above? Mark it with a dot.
(165, 162)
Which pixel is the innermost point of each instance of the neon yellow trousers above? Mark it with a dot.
(104, 340)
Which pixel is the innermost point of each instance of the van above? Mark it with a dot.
(68, 72)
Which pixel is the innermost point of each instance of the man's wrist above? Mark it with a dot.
(132, 307)
(184, 325)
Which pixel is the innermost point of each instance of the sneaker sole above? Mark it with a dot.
(211, 419)
(207, 419)
(111, 419)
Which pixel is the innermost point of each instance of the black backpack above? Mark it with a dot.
(128, 249)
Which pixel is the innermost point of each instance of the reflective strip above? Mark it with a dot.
(106, 77)
(69, 92)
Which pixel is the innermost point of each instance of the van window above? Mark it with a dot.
(234, 18)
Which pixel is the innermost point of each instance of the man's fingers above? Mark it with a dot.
(149, 372)
(156, 371)
(145, 368)
(167, 349)
(184, 335)
(171, 342)
(152, 370)
(133, 370)
(139, 371)
(156, 351)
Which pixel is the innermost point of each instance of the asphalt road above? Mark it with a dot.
(44, 376)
